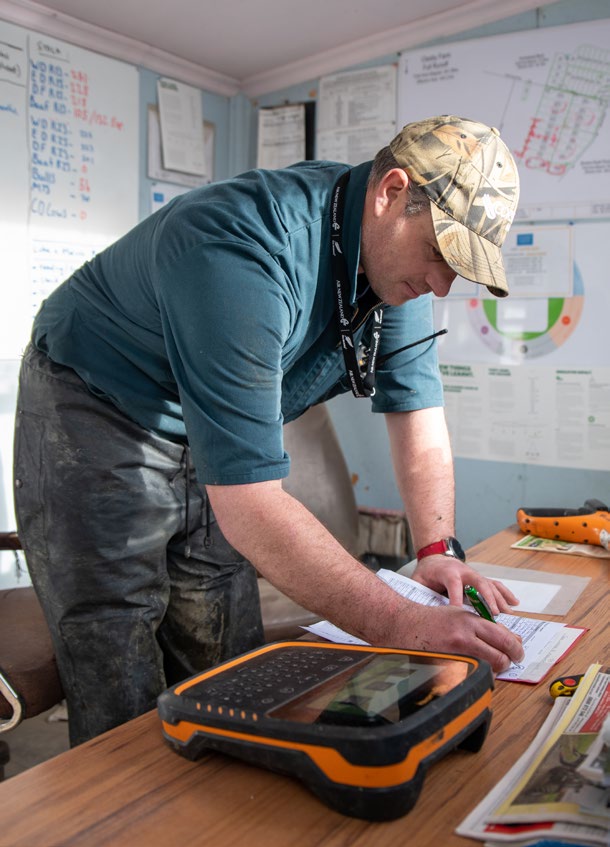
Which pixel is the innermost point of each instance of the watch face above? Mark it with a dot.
(455, 549)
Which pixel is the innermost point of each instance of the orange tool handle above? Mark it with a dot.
(588, 525)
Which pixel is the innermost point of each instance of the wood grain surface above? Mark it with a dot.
(128, 788)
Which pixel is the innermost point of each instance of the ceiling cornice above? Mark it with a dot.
(471, 14)
(39, 18)
(442, 25)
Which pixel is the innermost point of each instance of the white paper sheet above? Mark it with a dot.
(356, 114)
(281, 136)
(566, 588)
(181, 118)
(533, 596)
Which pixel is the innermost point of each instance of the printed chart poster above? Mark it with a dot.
(356, 114)
(546, 90)
(527, 379)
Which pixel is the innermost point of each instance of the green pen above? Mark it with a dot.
(478, 603)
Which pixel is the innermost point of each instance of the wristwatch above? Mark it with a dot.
(445, 547)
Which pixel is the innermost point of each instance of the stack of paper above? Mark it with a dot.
(558, 790)
(544, 642)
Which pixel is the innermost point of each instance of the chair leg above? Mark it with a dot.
(14, 701)
(5, 757)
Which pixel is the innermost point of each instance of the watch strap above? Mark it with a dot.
(437, 548)
(445, 547)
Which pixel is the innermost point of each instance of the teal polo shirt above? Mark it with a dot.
(213, 321)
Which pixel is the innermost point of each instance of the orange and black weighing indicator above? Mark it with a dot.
(358, 725)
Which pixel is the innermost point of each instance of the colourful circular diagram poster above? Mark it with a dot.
(527, 378)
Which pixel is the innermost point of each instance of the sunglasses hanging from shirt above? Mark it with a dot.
(361, 373)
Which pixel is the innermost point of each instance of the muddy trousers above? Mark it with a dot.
(139, 587)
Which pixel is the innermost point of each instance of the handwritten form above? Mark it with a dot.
(68, 167)
(69, 176)
(544, 642)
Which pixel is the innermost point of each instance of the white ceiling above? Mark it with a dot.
(255, 46)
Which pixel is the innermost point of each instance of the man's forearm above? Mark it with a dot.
(290, 547)
(423, 465)
(295, 552)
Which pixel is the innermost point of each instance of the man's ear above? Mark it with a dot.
(392, 188)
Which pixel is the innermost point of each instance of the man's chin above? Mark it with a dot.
(403, 297)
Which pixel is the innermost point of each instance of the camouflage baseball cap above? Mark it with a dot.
(473, 185)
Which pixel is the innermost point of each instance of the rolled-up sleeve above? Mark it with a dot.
(226, 320)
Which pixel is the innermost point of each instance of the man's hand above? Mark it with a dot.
(447, 575)
(452, 630)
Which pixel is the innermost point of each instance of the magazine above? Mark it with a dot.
(544, 795)
(552, 545)
(553, 788)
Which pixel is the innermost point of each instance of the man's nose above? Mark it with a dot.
(440, 282)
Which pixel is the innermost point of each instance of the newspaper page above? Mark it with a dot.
(477, 825)
(552, 788)
(596, 765)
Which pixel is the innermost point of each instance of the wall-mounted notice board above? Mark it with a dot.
(69, 173)
(68, 167)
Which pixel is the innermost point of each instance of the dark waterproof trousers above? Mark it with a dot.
(139, 587)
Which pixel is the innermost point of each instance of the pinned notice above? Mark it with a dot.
(181, 118)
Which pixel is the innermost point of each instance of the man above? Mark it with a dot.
(183, 348)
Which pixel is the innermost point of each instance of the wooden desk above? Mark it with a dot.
(127, 788)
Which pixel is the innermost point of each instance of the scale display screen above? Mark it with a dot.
(375, 690)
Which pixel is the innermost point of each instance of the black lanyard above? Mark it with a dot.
(362, 386)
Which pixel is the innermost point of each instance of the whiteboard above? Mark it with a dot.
(69, 168)
(547, 90)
